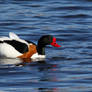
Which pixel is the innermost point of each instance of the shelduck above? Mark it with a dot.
(14, 47)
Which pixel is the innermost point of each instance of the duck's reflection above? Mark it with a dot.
(49, 90)
(30, 62)
(19, 61)
(41, 65)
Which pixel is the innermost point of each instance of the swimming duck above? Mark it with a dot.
(14, 47)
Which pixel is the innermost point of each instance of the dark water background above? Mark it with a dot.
(66, 69)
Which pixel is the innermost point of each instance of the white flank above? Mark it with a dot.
(7, 50)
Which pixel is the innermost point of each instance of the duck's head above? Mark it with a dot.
(47, 40)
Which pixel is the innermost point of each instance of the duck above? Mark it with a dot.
(15, 47)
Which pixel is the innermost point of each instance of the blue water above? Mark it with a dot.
(65, 69)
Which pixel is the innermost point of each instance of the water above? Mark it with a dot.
(65, 69)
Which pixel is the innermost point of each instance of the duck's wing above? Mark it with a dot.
(13, 36)
(19, 46)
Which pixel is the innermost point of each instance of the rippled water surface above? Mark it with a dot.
(65, 69)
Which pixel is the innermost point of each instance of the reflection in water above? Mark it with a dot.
(48, 89)
(48, 79)
(19, 61)
(28, 61)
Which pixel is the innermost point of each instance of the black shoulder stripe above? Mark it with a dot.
(19, 46)
(1, 41)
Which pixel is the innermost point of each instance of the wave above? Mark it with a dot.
(77, 16)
